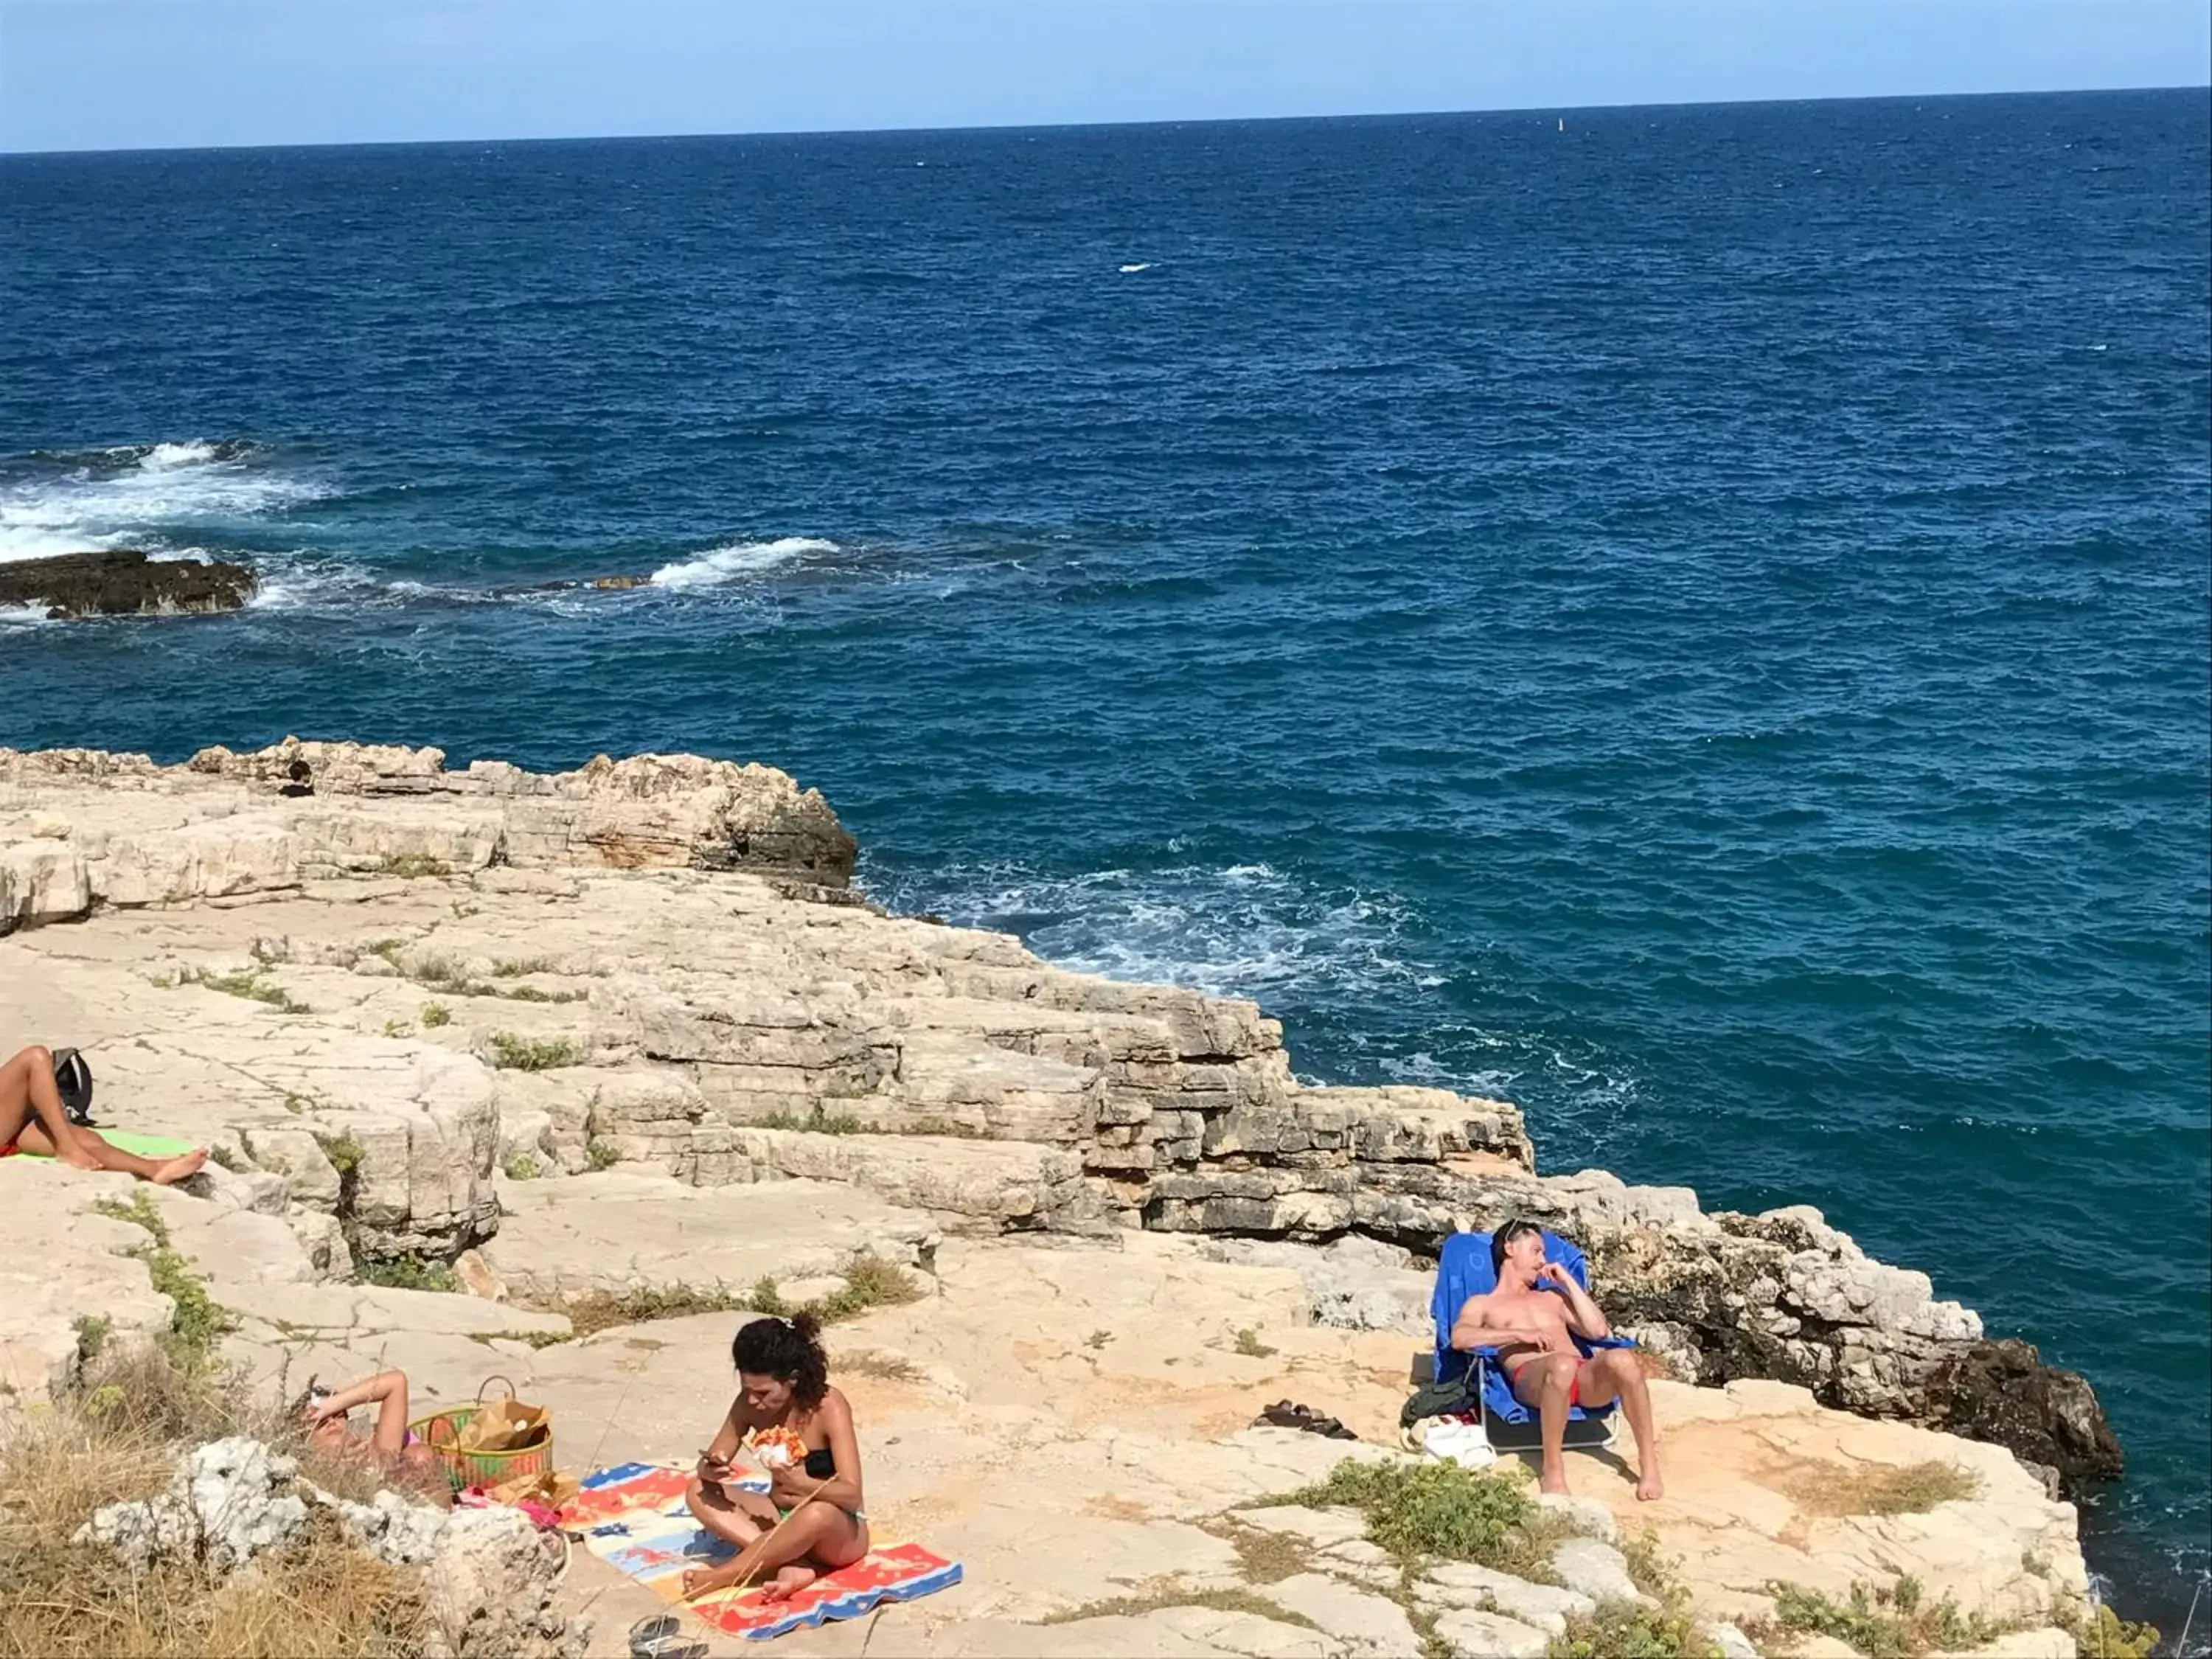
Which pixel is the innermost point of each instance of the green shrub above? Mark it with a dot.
(816, 1122)
(405, 1272)
(1624, 1630)
(1884, 1623)
(246, 982)
(436, 1014)
(195, 1323)
(601, 1155)
(521, 1166)
(511, 1053)
(1250, 1344)
(870, 1282)
(343, 1151)
(92, 1332)
(2100, 1633)
(1417, 1511)
(411, 866)
(139, 1213)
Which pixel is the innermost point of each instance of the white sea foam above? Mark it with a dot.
(1245, 930)
(120, 497)
(738, 559)
(1131, 270)
(313, 582)
(14, 617)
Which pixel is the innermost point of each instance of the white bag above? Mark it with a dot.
(1463, 1443)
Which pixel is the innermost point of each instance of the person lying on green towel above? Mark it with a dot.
(32, 1119)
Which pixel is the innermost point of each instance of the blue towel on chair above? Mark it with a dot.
(1463, 1270)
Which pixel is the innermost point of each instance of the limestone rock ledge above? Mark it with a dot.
(374, 996)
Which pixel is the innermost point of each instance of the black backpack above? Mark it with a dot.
(73, 1079)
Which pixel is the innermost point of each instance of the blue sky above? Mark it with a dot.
(129, 73)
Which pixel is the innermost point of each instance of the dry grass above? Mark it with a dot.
(1264, 1556)
(1171, 1596)
(870, 1282)
(874, 1362)
(1881, 1488)
(118, 1438)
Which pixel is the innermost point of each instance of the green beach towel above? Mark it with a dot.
(124, 1140)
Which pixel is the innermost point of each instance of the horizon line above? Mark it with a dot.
(1560, 110)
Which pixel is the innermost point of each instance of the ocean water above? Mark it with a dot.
(1696, 622)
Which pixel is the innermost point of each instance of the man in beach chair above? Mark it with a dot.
(1531, 1326)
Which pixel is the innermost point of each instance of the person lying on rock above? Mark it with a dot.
(387, 1441)
(32, 1119)
(1532, 1319)
(799, 1430)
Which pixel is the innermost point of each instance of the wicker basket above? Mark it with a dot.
(440, 1432)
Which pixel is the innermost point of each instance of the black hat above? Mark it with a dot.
(73, 1079)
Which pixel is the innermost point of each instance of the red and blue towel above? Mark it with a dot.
(632, 1516)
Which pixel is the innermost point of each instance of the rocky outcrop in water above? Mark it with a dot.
(123, 582)
(377, 995)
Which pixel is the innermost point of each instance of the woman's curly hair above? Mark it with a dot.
(788, 1349)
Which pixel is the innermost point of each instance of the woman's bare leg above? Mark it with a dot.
(819, 1530)
(736, 1518)
(30, 1112)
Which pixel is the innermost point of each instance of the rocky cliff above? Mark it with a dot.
(374, 984)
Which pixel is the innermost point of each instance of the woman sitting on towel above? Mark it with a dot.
(800, 1431)
(32, 1119)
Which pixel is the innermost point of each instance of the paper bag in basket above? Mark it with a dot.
(553, 1489)
(502, 1426)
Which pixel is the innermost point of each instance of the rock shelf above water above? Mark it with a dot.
(385, 999)
(123, 582)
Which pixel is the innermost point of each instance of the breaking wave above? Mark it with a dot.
(151, 494)
(738, 560)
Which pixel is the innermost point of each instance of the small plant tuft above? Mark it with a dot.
(343, 1151)
(92, 1333)
(516, 967)
(601, 1155)
(1237, 1600)
(1884, 1489)
(1896, 1622)
(2100, 1633)
(511, 1053)
(1420, 1511)
(246, 982)
(1250, 1344)
(413, 865)
(406, 1272)
(816, 1122)
(398, 1028)
(436, 1014)
(521, 1166)
(139, 1213)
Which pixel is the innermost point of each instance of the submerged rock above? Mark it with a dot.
(2004, 1393)
(124, 582)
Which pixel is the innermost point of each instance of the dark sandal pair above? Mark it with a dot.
(1285, 1415)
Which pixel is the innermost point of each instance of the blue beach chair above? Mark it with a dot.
(1463, 1270)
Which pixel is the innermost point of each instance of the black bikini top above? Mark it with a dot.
(821, 1465)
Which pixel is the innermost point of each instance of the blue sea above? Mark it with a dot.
(1695, 622)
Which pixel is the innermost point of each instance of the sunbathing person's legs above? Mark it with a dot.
(1616, 1374)
(1546, 1385)
(31, 1115)
(815, 1539)
(734, 1516)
